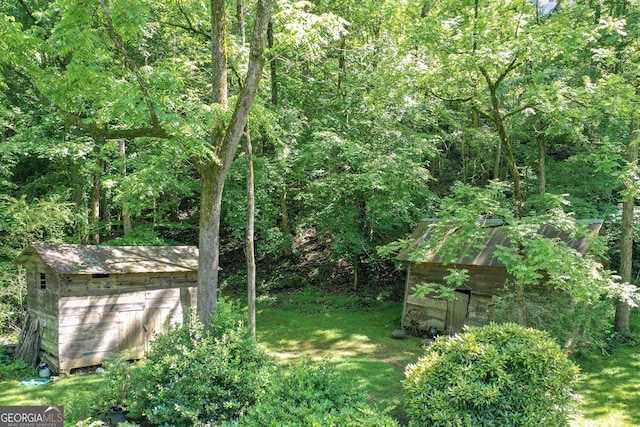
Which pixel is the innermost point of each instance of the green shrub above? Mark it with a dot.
(314, 394)
(14, 369)
(119, 384)
(496, 375)
(192, 377)
(573, 324)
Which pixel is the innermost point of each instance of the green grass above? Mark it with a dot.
(74, 392)
(356, 333)
(610, 386)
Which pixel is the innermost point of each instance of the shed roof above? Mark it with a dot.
(91, 259)
(495, 235)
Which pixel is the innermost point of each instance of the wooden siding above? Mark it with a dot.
(120, 313)
(473, 304)
(485, 280)
(102, 300)
(44, 302)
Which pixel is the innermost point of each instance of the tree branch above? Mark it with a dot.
(517, 110)
(506, 71)
(251, 82)
(188, 27)
(97, 132)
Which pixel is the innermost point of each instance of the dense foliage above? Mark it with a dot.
(369, 114)
(496, 375)
(314, 393)
(192, 377)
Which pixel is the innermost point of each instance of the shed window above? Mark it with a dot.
(100, 275)
(43, 281)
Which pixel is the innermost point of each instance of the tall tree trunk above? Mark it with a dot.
(542, 174)
(126, 213)
(342, 62)
(498, 118)
(273, 66)
(497, 161)
(284, 211)
(219, 53)
(95, 197)
(626, 237)
(522, 304)
(249, 238)
(224, 143)
(241, 22)
(286, 231)
(209, 241)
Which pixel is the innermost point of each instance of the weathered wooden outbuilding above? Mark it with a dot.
(88, 302)
(473, 303)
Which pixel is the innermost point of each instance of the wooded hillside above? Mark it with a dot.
(368, 114)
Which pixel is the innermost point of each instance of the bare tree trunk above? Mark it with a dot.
(95, 198)
(626, 238)
(273, 67)
(497, 161)
(241, 22)
(498, 120)
(126, 214)
(224, 143)
(342, 62)
(286, 232)
(522, 304)
(542, 174)
(284, 211)
(249, 238)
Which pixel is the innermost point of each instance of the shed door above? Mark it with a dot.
(154, 324)
(131, 333)
(458, 312)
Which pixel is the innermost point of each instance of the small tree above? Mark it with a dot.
(496, 375)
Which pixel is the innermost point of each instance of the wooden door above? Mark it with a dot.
(457, 313)
(155, 323)
(131, 333)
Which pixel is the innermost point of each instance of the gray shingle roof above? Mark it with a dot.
(494, 235)
(90, 259)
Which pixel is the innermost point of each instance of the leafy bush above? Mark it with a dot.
(314, 394)
(119, 384)
(193, 377)
(496, 375)
(13, 369)
(573, 324)
(22, 222)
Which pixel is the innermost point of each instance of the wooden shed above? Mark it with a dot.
(474, 301)
(87, 302)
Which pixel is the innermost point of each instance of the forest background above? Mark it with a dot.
(369, 114)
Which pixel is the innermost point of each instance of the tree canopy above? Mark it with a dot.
(364, 117)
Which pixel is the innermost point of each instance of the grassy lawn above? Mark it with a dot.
(610, 386)
(356, 334)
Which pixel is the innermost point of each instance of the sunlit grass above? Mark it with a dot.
(74, 392)
(355, 333)
(609, 386)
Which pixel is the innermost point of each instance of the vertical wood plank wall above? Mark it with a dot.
(89, 318)
(473, 304)
(44, 302)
